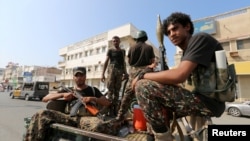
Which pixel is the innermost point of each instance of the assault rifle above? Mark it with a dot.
(160, 38)
(91, 108)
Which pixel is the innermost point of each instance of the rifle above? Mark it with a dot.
(159, 34)
(92, 109)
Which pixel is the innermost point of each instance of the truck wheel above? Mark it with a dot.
(12, 96)
(27, 97)
(40, 98)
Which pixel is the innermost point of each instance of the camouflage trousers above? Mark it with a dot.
(39, 126)
(114, 82)
(129, 93)
(155, 98)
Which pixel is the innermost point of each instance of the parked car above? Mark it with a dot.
(31, 90)
(238, 109)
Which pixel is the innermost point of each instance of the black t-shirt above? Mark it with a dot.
(89, 92)
(141, 54)
(201, 50)
(116, 57)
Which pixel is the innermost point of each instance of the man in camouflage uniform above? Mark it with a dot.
(140, 56)
(160, 91)
(115, 61)
(39, 125)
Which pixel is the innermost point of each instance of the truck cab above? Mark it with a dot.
(31, 90)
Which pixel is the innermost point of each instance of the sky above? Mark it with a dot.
(33, 31)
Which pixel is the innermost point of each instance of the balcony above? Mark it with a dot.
(61, 64)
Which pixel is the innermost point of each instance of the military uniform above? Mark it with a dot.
(140, 56)
(40, 122)
(116, 69)
(114, 85)
(154, 97)
(129, 94)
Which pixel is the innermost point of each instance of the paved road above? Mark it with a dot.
(13, 112)
(226, 119)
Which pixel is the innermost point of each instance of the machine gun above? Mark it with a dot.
(160, 38)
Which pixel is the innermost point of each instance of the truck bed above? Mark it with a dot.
(62, 132)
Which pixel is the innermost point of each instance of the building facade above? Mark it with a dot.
(91, 53)
(232, 30)
(14, 75)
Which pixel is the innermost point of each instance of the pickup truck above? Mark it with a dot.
(31, 90)
(182, 131)
(61, 132)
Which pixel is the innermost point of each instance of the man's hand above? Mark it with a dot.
(140, 76)
(103, 78)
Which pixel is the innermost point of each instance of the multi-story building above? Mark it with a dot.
(47, 74)
(15, 75)
(232, 30)
(91, 53)
(12, 75)
(2, 82)
(1, 75)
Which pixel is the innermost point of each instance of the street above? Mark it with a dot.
(13, 112)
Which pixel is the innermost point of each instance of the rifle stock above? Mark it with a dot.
(92, 109)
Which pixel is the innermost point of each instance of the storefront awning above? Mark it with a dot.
(242, 68)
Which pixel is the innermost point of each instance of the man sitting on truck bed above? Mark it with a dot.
(41, 121)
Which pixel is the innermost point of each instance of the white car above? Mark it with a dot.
(238, 109)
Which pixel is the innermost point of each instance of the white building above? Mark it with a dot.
(91, 53)
(15, 75)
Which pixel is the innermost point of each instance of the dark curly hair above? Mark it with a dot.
(178, 17)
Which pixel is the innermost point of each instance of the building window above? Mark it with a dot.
(243, 44)
(103, 49)
(80, 55)
(226, 46)
(86, 53)
(96, 68)
(66, 71)
(88, 68)
(76, 56)
(97, 50)
(91, 52)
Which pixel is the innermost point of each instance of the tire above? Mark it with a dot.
(12, 96)
(234, 112)
(27, 97)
